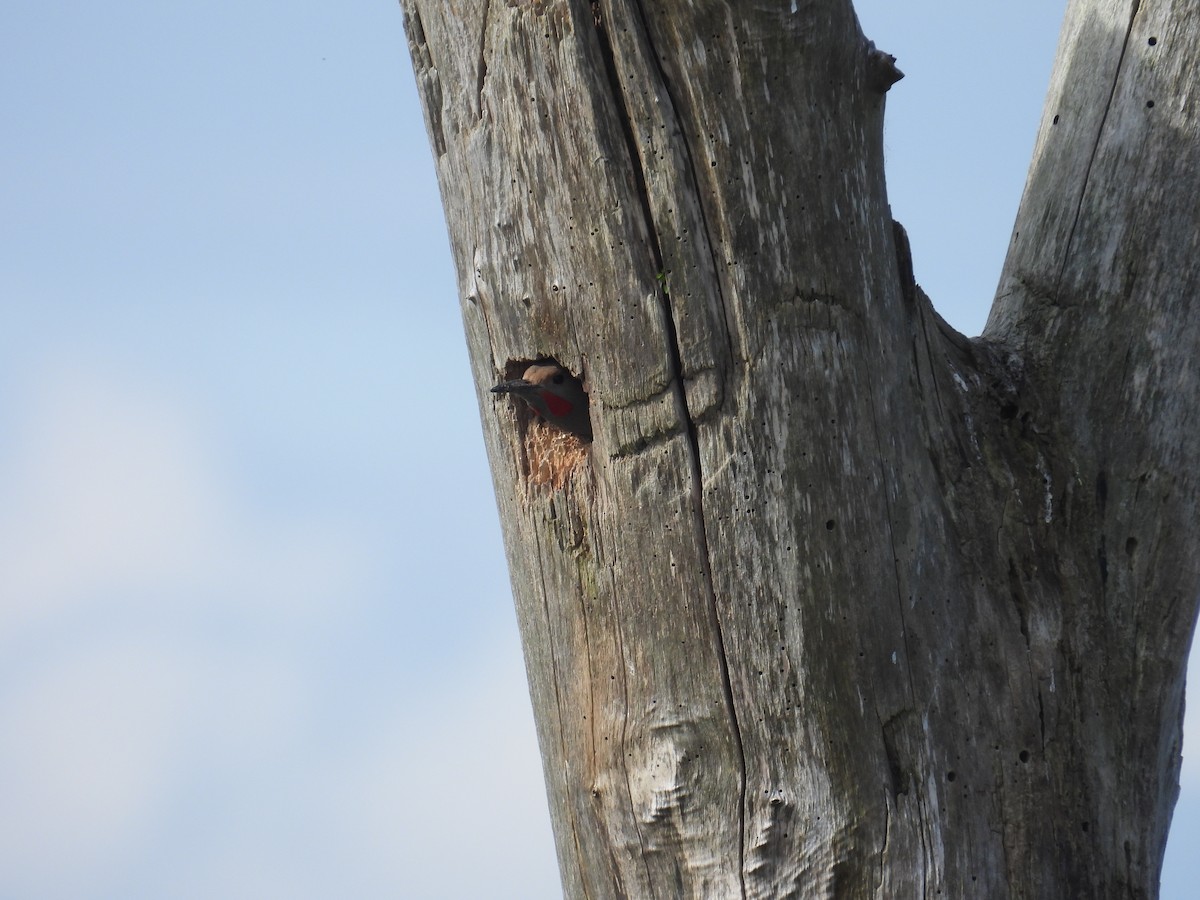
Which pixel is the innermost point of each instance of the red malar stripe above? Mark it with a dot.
(556, 404)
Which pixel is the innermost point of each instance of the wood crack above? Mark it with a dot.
(1087, 172)
(481, 67)
(693, 177)
(428, 80)
(675, 363)
(887, 826)
(558, 698)
(621, 740)
(882, 455)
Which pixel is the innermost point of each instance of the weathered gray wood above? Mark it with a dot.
(837, 602)
(1099, 299)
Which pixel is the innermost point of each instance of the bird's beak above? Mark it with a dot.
(519, 386)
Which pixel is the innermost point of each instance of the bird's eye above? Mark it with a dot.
(558, 379)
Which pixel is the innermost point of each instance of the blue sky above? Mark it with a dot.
(256, 636)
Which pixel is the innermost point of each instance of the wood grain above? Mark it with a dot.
(837, 602)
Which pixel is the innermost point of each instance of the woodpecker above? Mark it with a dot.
(554, 394)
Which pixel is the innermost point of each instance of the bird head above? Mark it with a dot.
(554, 394)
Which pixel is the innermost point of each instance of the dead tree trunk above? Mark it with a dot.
(837, 602)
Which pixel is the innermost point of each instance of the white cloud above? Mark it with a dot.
(113, 498)
(85, 762)
(104, 488)
(450, 802)
(150, 628)
(104, 739)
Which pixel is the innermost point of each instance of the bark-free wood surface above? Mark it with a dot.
(837, 603)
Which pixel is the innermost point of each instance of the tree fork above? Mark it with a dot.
(838, 601)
